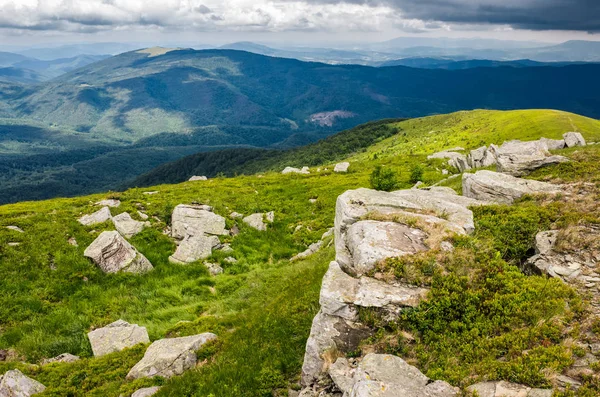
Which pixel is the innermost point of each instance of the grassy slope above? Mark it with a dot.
(261, 308)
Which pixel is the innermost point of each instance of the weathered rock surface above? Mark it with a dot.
(198, 178)
(554, 144)
(109, 203)
(502, 188)
(341, 167)
(292, 170)
(506, 389)
(518, 158)
(112, 253)
(481, 157)
(195, 220)
(100, 216)
(61, 358)
(116, 336)
(146, 391)
(14, 384)
(257, 221)
(545, 241)
(456, 160)
(169, 357)
(573, 139)
(384, 375)
(126, 225)
(194, 248)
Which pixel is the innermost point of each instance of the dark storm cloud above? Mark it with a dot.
(582, 15)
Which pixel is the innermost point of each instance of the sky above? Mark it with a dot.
(303, 22)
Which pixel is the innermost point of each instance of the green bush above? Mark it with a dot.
(416, 173)
(383, 179)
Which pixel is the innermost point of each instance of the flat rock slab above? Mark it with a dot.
(194, 248)
(146, 391)
(100, 216)
(506, 389)
(112, 253)
(126, 225)
(195, 220)
(501, 188)
(169, 357)
(116, 337)
(14, 384)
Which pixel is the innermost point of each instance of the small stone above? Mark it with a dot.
(236, 215)
(62, 358)
(194, 248)
(142, 215)
(14, 244)
(109, 203)
(214, 268)
(72, 241)
(15, 229)
(230, 260)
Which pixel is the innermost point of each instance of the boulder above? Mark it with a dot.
(116, 336)
(545, 241)
(14, 384)
(292, 170)
(146, 391)
(195, 220)
(169, 357)
(502, 188)
(481, 157)
(236, 215)
(194, 248)
(518, 158)
(214, 268)
(126, 225)
(506, 389)
(370, 242)
(109, 203)
(341, 167)
(329, 333)
(61, 358)
(573, 139)
(554, 144)
(456, 160)
(100, 216)
(314, 247)
(198, 178)
(112, 253)
(256, 221)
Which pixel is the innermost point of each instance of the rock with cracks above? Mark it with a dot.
(169, 357)
(573, 139)
(14, 384)
(195, 220)
(112, 253)
(126, 225)
(502, 188)
(194, 248)
(519, 158)
(116, 336)
(100, 216)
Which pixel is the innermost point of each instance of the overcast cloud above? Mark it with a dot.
(410, 16)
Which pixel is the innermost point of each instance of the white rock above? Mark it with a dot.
(150, 193)
(112, 253)
(198, 178)
(116, 337)
(195, 220)
(502, 188)
(554, 144)
(292, 170)
(100, 216)
(214, 268)
(193, 248)
(142, 215)
(545, 241)
(14, 384)
(338, 293)
(518, 158)
(314, 247)
(573, 139)
(236, 215)
(481, 157)
(15, 229)
(109, 203)
(61, 358)
(146, 391)
(507, 389)
(256, 221)
(341, 167)
(126, 225)
(13, 244)
(169, 357)
(270, 216)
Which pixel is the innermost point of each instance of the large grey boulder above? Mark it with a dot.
(545, 241)
(116, 336)
(257, 221)
(292, 170)
(481, 157)
(100, 216)
(554, 144)
(195, 220)
(170, 357)
(329, 333)
(146, 391)
(14, 384)
(341, 167)
(518, 158)
(506, 389)
(370, 242)
(573, 139)
(384, 375)
(126, 225)
(502, 188)
(194, 248)
(112, 253)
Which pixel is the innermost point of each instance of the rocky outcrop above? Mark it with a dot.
(194, 248)
(169, 357)
(573, 139)
(501, 188)
(456, 160)
(146, 391)
(109, 203)
(519, 158)
(61, 358)
(195, 220)
(116, 336)
(481, 157)
(292, 170)
(112, 253)
(341, 167)
(554, 144)
(384, 375)
(14, 384)
(198, 178)
(257, 221)
(506, 389)
(126, 225)
(100, 216)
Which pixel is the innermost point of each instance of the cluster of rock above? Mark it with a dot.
(339, 167)
(512, 157)
(371, 226)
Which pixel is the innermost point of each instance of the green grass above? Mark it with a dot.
(262, 307)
